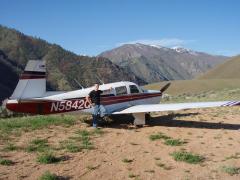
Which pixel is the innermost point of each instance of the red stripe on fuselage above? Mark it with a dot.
(33, 75)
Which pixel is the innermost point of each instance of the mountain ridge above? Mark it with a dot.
(63, 66)
(162, 63)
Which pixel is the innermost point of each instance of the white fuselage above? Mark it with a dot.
(122, 95)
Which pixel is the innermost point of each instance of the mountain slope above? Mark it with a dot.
(197, 86)
(63, 66)
(9, 76)
(154, 63)
(227, 70)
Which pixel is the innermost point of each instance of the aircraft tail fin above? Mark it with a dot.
(32, 82)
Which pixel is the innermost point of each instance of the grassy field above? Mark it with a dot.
(18, 124)
(196, 144)
(189, 144)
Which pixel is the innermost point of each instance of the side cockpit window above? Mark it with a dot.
(133, 89)
(121, 90)
(107, 93)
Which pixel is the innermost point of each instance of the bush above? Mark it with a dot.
(187, 157)
(231, 170)
(38, 145)
(154, 137)
(174, 142)
(125, 160)
(47, 158)
(48, 176)
(6, 162)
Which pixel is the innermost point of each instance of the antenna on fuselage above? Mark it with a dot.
(99, 79)
(78, 84)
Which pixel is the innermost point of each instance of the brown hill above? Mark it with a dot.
(227, 70)
(196, 86)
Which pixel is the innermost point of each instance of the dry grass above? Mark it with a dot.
(120, 153)
(200, 90)
(227, 70)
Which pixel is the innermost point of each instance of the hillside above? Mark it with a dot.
(9, 76)
(200, 90)
(227, 70)
(196, 86)
(222, 82)
(154, 63)
(63, 66)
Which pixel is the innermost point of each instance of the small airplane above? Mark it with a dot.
(30, 96)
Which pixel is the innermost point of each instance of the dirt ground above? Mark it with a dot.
(211, 133)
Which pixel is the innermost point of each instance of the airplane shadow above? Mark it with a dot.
(170, 121)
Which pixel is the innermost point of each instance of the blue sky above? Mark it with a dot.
(92, 26)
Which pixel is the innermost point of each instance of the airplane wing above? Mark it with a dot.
(175, 106)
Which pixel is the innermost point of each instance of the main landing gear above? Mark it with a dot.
(141, 118)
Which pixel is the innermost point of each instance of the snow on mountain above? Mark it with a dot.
(177, 49)
(184, 50)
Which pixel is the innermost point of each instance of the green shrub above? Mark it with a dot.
(71, 147)
(131, 175)
(48, 176)
(10, 147)
(187, 157)
(174, 142)
(231, 170)
(47, 158)
(38, 145)
(6, 162)
(125, 160)
(84, 137)
(154, 137)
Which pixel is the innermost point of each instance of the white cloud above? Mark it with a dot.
(166, 42)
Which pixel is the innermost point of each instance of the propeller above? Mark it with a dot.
(164, 88)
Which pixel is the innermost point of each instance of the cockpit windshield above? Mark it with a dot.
(142, 89)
